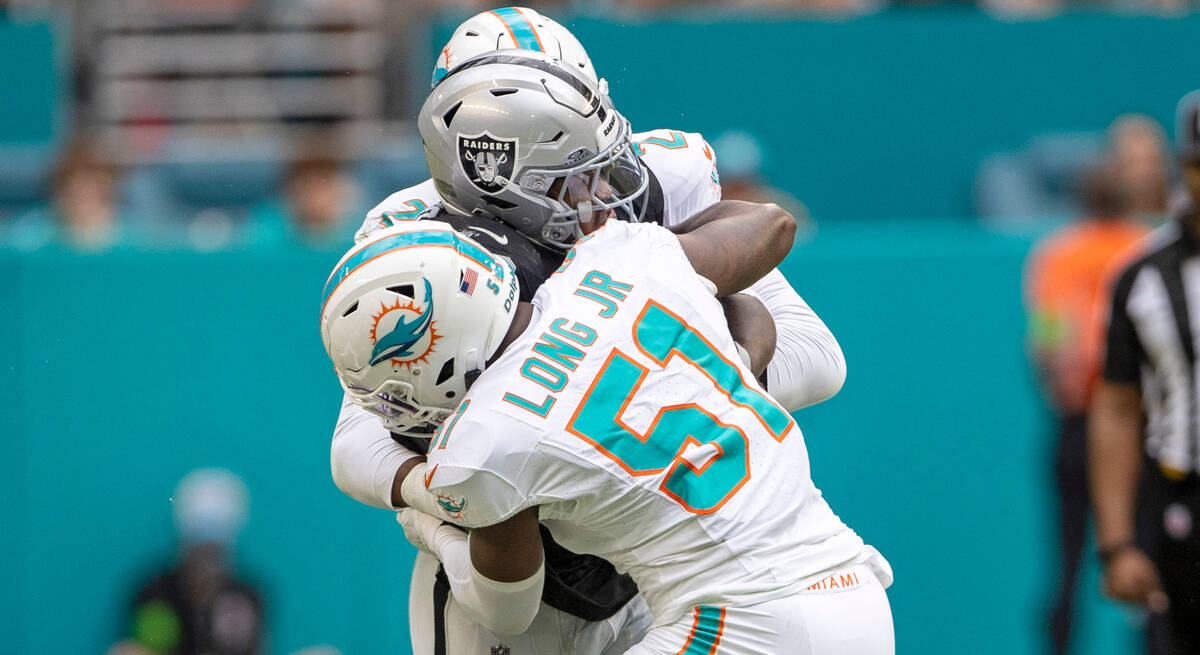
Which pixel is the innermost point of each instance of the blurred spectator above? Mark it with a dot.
(1138, 151)
(739, 162)
(830, 7)
(84, 213)
(1042, 180)
(1033, 9)
(1065, 282)
(1038, 182)
(200, 606)
(1018, 9)
(833, 7)
(321, 207)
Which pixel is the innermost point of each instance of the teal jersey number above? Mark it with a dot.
(677, 141)
(416, 208)
(661, 335)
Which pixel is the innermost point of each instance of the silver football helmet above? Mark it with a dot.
(521, 137)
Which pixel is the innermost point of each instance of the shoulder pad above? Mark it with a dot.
(414, 203)
(475, 464)
(686, 168)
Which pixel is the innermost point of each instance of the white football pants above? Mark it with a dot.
(552, 632)
(844, 613)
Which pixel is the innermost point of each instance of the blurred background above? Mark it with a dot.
(177, 178)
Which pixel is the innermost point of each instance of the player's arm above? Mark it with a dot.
(366, 463)
(733, 243)
(807, 366)
(752, 329)
(496, 572)
(475, 480)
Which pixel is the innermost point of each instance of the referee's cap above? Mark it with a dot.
(1187, 126)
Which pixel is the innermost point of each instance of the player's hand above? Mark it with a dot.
(419, 528)
(1131, 577)
(752, 328)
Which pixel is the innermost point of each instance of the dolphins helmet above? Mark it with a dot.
(515, 27)
(411, 316)
(517, 136)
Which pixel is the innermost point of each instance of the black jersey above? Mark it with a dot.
(534, 263)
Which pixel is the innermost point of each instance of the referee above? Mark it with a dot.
(1146, 492)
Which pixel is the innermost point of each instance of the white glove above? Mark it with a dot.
(430, 534)
(419, 528)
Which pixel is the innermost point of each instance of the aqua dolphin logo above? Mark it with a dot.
(453, 507)
(398, 344)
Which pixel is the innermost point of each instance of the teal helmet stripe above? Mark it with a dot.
(518, 26)
(387, 244)
(438, 74)
(522, 31)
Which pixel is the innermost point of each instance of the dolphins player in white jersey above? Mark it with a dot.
(589, 608)
(617, 412)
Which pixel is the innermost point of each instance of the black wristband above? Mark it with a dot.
(1109, 553)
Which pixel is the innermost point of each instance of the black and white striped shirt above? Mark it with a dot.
(1152, 341)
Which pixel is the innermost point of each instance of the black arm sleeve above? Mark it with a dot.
(1122, 349)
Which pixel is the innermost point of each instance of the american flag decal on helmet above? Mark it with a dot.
(469, 277)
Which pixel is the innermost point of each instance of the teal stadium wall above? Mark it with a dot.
(122, 372)
(34, 70)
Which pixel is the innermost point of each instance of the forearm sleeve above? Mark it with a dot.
(505, 608)
(364, 458)
(808, 366)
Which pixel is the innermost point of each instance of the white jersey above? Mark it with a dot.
(682, 164)
(625, 414)
(684, 167)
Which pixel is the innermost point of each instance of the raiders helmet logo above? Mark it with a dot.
(487, 161)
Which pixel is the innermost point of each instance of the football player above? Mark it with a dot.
(617, 412)
(588, 603)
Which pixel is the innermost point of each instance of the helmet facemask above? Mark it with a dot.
(578, 194)
(394, 403)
